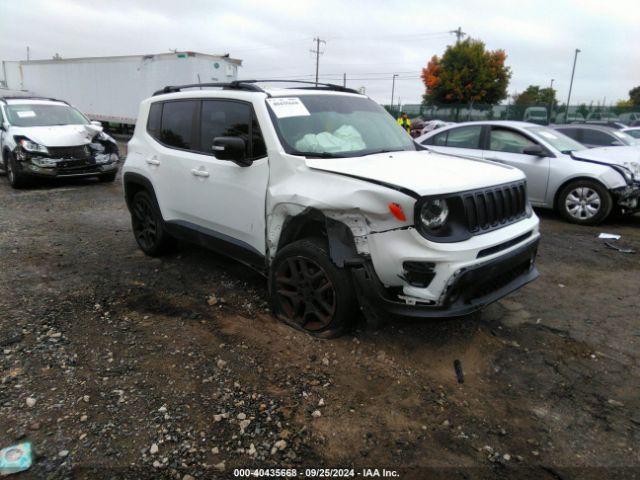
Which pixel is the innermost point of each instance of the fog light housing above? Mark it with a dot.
(419, 274)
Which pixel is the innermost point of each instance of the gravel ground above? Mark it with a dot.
(116, 365)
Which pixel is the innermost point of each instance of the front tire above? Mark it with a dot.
(309, 292)
(148, 226)
(16, 178)
(585, 202)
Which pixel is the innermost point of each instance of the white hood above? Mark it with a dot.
(59, 135)
(611, 155)
(426, 173)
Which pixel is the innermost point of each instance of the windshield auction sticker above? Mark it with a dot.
(26, 113)
(288, 107)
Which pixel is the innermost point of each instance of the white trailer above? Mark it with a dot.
(110, 89)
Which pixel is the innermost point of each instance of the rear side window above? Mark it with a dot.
(177, 124)
(221, 118)
(463, 137)
(570, 132)
(596, 137)
(153, 122)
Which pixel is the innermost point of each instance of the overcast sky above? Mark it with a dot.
(367, 40)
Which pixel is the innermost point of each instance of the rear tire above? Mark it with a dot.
(148, 226)
(309, 292)
(585, 202)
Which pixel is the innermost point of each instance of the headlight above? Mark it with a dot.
(30, 146)
(634, 167)
(434, 213)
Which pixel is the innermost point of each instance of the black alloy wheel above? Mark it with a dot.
(306, 293)
(309, 292)
(147, 225)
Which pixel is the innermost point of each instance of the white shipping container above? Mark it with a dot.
(111, 88)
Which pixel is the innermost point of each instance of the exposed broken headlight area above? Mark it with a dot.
(95, 158)
(628, 197)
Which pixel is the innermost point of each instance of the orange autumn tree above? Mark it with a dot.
(466, 74)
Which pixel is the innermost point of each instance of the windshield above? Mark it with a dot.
(626, 138)
(44, 115)
(634, 133)
(329, 126)
(557, 140)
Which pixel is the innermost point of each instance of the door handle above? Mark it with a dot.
(153, 161)
(494, 160)
(199, 173)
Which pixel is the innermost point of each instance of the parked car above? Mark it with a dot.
(572, 118)
(602, 117)
(323, 192)
(597, 135)
(417, 125)
(630, 118)
(433, 125)
(48, 138)
(632, 131)
(536, 115)
(583, 185)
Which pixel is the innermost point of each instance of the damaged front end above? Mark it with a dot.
(627, 197)
(98, 158)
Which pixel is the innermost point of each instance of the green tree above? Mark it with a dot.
(534, 95)
(634, 96)
(467, 73)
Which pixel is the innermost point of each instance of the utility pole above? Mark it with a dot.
(458, 33)
(550, 99)
(344, 79)
(28, 54)
(317, 51)
(393, 87)
(573, 71)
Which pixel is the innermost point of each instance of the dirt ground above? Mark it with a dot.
(116, 365)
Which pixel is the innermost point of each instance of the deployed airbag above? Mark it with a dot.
(344, 139)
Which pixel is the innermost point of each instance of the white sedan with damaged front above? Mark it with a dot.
(583, 185)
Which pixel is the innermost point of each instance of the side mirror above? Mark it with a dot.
(231, 148)
(96, 123)
(537, 150)
(617, 143)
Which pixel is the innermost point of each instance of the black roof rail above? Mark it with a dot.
(25, 97)
(250, 85)
(319, 85)
(235, 85)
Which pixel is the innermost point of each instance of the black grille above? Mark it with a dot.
(495, 283)
(80, 152)
(495, 207)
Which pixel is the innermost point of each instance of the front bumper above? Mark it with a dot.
(628, 197)
(65, 167)
(473, 288)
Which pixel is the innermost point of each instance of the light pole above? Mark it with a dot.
(573, 71)
(393, 87)
(550, 99)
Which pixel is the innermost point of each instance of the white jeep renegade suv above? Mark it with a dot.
(321, 190)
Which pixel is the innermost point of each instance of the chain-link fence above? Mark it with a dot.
(541, 114)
